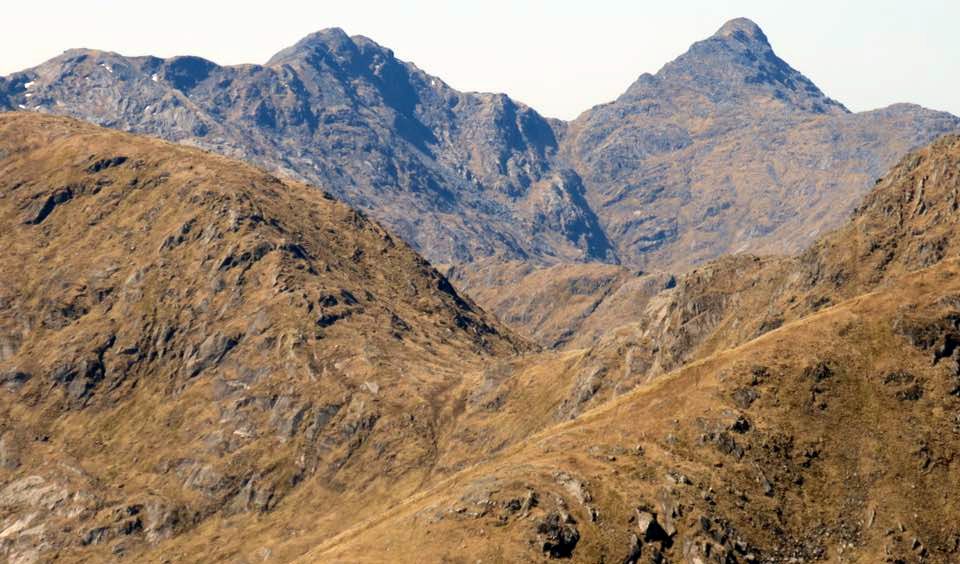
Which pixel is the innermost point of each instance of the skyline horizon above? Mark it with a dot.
(546, 99)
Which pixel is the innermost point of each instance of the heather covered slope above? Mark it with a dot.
(186, 338)
(834, 438)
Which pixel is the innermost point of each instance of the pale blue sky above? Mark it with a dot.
(561, 57)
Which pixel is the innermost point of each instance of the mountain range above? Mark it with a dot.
(725, 149)
(329, 309)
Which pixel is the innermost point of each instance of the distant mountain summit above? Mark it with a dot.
(731, 68)
(725, 149)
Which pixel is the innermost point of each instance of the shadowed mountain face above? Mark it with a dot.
(725, 149)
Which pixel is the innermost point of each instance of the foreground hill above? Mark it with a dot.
(726, 149)
(184, 338)
(834, 438)
(813, 416)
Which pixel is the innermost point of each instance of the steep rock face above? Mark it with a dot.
(729, 149)
(184, 338)
(457, 175)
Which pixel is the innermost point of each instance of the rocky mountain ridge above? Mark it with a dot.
(457, 175)
(725, 149)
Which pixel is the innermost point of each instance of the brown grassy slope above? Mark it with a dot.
(563, 304)
(186, 338)
(906, 223)
(797, 444)
(836, 437)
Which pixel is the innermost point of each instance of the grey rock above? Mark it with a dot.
(559, 536)
(649, 528)
(634, 551)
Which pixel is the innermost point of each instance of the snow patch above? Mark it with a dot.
(155, 77)
(106, 66)
(21, 106)
(28, 94)
(29, 84)
(147, 109)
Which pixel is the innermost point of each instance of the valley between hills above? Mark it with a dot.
(328, 309)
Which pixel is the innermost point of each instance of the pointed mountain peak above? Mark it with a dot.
(330, 40)
(742, 29)
(733, 68)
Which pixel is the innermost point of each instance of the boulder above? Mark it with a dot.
(559, 534)
(649, 528)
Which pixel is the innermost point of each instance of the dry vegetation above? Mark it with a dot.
(200, 362)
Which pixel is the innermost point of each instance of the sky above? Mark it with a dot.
(560, 57)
